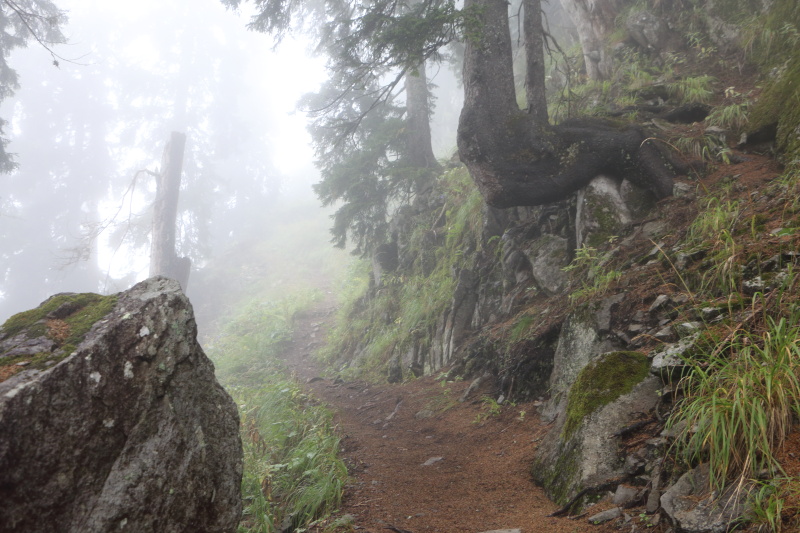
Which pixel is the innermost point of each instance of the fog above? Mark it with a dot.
(75, 216)
(88, 125)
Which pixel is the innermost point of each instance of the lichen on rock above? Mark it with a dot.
(129, 432)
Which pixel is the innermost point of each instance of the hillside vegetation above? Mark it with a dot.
(462, 290)
(724, 252)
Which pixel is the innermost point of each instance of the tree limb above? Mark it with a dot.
(23, 17)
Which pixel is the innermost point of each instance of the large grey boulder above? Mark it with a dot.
(579, 342)
(548, 255)
(127, 429)
(584, 450)
(647, 30)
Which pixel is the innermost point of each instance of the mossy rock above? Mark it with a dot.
(559, 478)
(601, 382)
(602, 213)
(63, 319)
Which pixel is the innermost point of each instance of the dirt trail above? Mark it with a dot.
(421, 461)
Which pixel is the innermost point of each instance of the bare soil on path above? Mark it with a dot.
(422, 461)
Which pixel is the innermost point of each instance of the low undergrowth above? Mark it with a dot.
(740, 393)
(592, 270)
(292, 472)
(379, 321)
(740, 400)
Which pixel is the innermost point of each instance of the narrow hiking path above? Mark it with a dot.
(422, 461)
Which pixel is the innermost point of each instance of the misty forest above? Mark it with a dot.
(484, 266)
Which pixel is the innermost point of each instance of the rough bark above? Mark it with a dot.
(594, 20)
(163, 259)
(516, 158)
(534, 60)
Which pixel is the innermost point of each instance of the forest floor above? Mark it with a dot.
(421, 461)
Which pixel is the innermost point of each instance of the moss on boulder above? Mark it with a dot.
(601, 382)
(43, 336)
(558, 479)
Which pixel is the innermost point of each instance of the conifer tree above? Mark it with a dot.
(373, 150)
(22, 21)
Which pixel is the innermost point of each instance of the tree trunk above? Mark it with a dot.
(534, 60)
(163, 259)
(418, 120)
(516, 158)
(594, 20)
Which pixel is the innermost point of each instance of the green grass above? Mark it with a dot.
(591, 268)
(706, 147)
(697, 89)
(714, 229)
(716, 214)
(730, 117)
(292, 472)
(739, 401)
(520, 328)
(772, 501)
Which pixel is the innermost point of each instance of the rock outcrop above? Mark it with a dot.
(116, 422)
(584, 447)
(694, 510)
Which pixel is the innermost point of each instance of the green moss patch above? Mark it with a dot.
(11, 365)
(64, 318)
(558, 478)
(79, 312)
(601, 382)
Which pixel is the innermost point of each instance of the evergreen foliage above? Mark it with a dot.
(20, 22)
(360, 131)
(363, 170)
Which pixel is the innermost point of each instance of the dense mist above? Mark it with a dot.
(89, 122)
(75, 215)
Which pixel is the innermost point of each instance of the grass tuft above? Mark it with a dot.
(292, 472)
(739, 402)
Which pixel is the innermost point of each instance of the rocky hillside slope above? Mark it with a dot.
(660, 338)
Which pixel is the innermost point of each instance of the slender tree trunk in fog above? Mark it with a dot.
(534, 60)
(163, 259)
(420, 150)
(594, 20)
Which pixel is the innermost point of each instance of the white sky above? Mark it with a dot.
(298, 72)
(278, 79)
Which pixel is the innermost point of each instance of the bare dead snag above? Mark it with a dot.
(163, 259)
